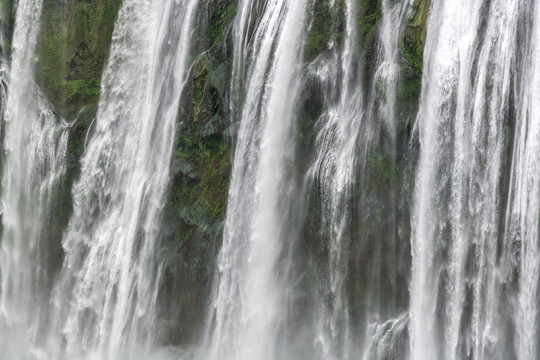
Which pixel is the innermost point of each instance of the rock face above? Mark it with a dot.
(72, 49)
(416, 31)
(201, 170)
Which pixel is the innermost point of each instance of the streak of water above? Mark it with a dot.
(464, 252)
(33, 167)
(105, 298)
(248, 300)
(349, 129)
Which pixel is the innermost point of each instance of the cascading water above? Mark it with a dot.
(337, 145)
(105, 299)
(252, 283)
(33, 167)
(475, 226)
(523, 213)
(323, 256)
(249, 295)
(348, 132)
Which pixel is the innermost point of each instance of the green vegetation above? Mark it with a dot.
(417, 27)
(327, 25)
(72, 47)
(412, 82)
(197, 199)
(202, 159)
(200, 77)
(220, 20)
(204, 198)
(79, 90)
(412, 46)
(320, 31)
(369, 14)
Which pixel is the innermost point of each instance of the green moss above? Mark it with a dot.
(82, 89)
(315, 44)
(200, 82)
(327, 25)
(412, 47)
(220, 20)
(369, 14)
(417, 27)
(202, 159)
(411, 84)
(207, 197)
(72, 47)
(50, 51)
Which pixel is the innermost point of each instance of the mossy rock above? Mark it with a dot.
(417, 26)
(221, 14)
(72, 48)
(326, 28)
(200, 174)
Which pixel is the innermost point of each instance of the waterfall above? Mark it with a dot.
(33, 168)
(336, 158)
(371, 214)
(105, 298)
(252, 287)
(475, 224)
(360, 120)
(248, 301)
(523, 213)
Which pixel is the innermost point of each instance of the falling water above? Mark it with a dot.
(475, 233)
(248, 300)
(523, 213)
(249, 306)
(337, 144)
(386, 329)
(315, 261)
(105, 299)
(349, 129)
(33, 167)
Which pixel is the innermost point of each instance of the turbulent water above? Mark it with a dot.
(361, 223)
